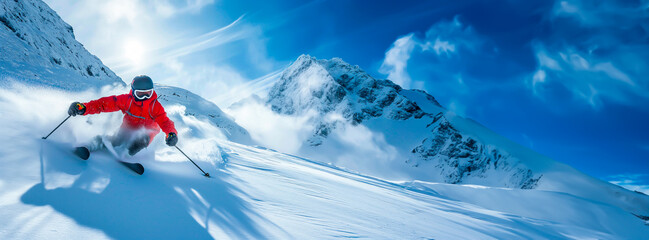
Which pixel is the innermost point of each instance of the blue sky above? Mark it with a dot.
(565, 78)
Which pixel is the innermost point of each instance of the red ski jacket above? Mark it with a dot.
(148, 113)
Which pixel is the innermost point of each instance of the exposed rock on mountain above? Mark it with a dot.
(333, 88)
(32, 34)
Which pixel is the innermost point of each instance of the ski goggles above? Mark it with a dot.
(143, 94)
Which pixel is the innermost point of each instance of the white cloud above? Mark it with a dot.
(168, 9)
(447, 37)
(220, 84)
(565, 7)
(443, 47)
(361, 149)
(444, 39)
(284, 133)
(352, 146)
(604, 62)
(633, 187)
(257, 52)
(164, 8)
(259, 87)
(545, 61)
(396, 60)
(614, 73)
(633, 182)
(600, 13)
(206, 80)
(539, 77)
(587, 76)
(116, 10)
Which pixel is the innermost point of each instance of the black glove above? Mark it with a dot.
(76, 108)
(171, 139)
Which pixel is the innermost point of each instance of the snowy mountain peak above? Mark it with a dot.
(32, 34)
(376, 127)
(412, 122)
(335, 86)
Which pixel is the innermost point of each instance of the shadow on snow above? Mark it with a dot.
(156, 205)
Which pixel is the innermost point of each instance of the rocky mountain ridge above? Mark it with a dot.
(336, 88)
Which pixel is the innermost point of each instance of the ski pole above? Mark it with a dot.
(199, 168)
(57, 127)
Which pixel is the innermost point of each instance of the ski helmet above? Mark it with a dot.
(142, 87)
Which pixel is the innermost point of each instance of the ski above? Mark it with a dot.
(135, 167)
(84, 153)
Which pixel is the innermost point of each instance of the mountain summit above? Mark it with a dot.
(376, 127)
(344, 96)
(335, 86)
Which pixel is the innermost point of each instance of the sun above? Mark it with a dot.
(134, 52)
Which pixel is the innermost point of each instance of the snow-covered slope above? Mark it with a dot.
(254, 193)
(196, 106)
(38, 46)
(376, 127)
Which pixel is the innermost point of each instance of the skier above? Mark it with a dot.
(144, 116)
